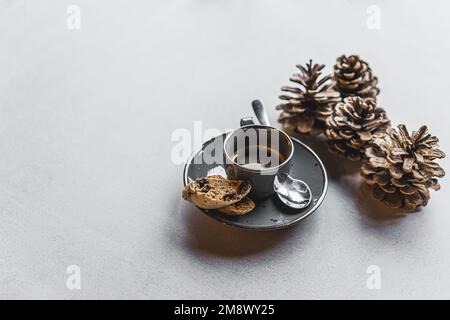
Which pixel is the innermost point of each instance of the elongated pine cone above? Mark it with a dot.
(308, 105)
(353, 77)
(352, 125)
(401, 167)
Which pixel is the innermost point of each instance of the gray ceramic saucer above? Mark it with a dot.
(271, 213)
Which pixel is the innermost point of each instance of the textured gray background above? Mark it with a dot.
(86, 176)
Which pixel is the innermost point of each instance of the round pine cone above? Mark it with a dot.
(353, 77)
(352, 125)
(309, 104)
(401, 168)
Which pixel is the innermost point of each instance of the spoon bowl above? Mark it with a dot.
(292, 192)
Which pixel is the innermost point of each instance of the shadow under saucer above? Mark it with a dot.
(209, 236)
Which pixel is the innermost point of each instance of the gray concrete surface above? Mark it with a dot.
(86, 176)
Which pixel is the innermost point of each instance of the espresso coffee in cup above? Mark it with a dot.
(258, 153)
(258, 157)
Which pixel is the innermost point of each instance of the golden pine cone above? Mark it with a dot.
(401, 167)
(352, 125)
(353, 77)
(309, 104)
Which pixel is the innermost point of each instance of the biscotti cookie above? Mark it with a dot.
(239, 208)
(215, 192)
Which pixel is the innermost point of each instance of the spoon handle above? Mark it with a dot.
(260, 113)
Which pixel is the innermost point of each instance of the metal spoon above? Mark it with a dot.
(292, 192)
(260, 113)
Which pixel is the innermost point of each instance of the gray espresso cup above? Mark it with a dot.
(258, 153)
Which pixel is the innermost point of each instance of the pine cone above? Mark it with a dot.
(401, 167)
(309, 104)
(353, 77)
(352, 125)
